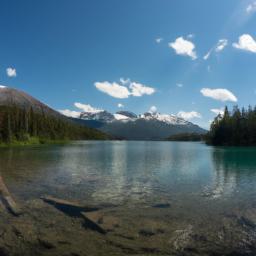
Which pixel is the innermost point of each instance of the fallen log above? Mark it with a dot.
(7, 199)
(106, 222)
(70, 207)
(74, 209)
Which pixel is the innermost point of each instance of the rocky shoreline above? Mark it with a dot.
(52, 226)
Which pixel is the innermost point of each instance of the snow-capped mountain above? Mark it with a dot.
(102, 116)
(169, 119)
(147, 126)
(105, 116)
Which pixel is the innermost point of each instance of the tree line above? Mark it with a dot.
(234, 128)
(21, 125)
(186, 137)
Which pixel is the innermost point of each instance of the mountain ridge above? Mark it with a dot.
(10, 96)
(148, 126)
(26, 120)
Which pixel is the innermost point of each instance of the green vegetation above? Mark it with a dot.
(235, 128)
(26, 127)
(186, 137)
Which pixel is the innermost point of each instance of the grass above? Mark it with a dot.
(33, 141)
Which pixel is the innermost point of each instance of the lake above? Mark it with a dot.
(167, 198)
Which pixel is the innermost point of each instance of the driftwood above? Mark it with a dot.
(108, 223)
(7, 199)
(75, 209)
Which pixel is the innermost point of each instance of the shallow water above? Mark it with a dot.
(134, 172)
(184, 186)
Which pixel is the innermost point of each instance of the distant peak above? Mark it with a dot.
(127, 114)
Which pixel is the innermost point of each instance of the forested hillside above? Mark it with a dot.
(23, 125)
(186, 137)
(234, 128)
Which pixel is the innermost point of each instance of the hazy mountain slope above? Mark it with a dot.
(149, 126)
(10, 97)
(142, 129)
(25, 119)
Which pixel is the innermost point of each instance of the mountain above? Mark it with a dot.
(10, 97)
(148, 126)
(26, 120)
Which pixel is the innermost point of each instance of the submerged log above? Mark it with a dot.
(108, 223)
(7, 199)
(74, 209)
(71, 207)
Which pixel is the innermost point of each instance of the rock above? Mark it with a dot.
(246, 222)
(182, 238)
(147, 232)
(46, 244)
(109, 223)
(164, 205)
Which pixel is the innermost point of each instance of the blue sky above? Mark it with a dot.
(137, 53)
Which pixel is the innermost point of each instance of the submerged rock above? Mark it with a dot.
(163, 205)
(147, 232)
(183, 237)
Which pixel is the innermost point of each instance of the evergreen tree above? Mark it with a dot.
(18, 124)
(234, 128)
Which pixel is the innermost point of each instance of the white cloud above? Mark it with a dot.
(219, 94)
(11, 72)
(207, 55)
(82, 107)
(246, 43)
(122, 91)
(251, 8)
(179, 85)
(113, 89)
(218, 111)
(120, 105)
(159, 40)
(70, 113)
(189, 115)
(125, 81)
(153, 109)
(87, 108)
(184, 47)
(138, 89)
(222, 43)
(2, 86)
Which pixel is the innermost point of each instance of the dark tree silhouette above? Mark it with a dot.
(17, 124)
(234, 128)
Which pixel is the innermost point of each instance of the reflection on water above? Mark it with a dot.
(235, 172)
(164, 198)
(132, 172)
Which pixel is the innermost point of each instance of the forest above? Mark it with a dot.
(234, 128)
(26, 126)
(186, 137)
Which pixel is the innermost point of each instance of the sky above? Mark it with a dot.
(189, 58)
